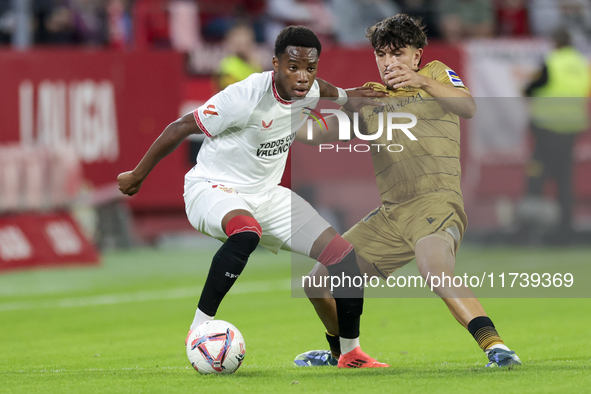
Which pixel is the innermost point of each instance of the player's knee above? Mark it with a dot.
(244, 234)
(308, 285)
(315, 287)
(316, 283)
(337, 250)
(434, 255)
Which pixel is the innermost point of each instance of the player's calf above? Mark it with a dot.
(244, 234)
(339, 259)
(341, 262)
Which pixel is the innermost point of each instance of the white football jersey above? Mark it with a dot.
(250, 129)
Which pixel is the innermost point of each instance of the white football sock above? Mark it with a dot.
(497, 346)
(200, 317)
(348, 344)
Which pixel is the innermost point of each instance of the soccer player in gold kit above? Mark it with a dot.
(422, 213)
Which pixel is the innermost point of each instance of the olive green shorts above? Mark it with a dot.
(386, 238)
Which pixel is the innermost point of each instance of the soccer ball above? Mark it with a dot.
(217, 347)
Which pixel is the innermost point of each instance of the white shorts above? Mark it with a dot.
(287, 220)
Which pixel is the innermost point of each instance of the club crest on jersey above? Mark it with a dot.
(210, 111)
(453, 77)
(267, 126)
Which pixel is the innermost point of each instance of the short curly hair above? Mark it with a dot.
(398, 31)
(297, 36)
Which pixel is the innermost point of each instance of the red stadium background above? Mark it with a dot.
(112, 105)
(149, 88)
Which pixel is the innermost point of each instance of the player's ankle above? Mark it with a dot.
(334, 343)
(349, 344)
(497, 346)
(200, 317)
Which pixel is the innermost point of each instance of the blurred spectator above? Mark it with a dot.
(151, 29)
(546, 16)
(353, 17)
(119, 23)
(242, 59)
(512, 19)
(56, 23)
(424, 9)
(70, 22)
(219, 16)
(185, 32)
(310, 13)
(559, 112)
(90, 21)
(6, 22)
(462, 19)
(576, 16)
(41, 11)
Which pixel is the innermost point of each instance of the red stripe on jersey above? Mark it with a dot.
(196, 115)
(277, 97)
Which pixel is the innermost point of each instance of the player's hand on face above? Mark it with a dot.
(398, 75)
(362, 96)
(129, 183)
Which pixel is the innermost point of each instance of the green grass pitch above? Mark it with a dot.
(120, 327)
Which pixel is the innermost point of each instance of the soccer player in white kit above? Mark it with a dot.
(233, 192)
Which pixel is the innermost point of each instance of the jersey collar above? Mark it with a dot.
(277, 96)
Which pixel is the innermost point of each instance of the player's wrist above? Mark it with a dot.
(424, 82)
(138, 176)
(342, 97)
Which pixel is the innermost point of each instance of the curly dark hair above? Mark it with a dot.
(398, 31)
(297, 36)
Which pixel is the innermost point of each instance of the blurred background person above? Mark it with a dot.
(6, 22)
(62, 22)
(185, 26)
(355, 16)
(242, 59)
(151, 24)
(90, 21)
(119, 24)
(545, 16)
(464, 19)
(511, 18)
(426, 10)
(55, 23)
(219, 16)
(314, 14)
(576, 17)
(558, 114)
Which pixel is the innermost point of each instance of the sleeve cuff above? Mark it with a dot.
(199, 123)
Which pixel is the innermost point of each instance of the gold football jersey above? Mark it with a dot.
(405, 169)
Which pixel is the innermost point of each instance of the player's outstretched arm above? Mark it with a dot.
(172, 136)
(454, 100)
(327, 90)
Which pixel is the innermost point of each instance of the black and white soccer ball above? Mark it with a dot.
(216, 347)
